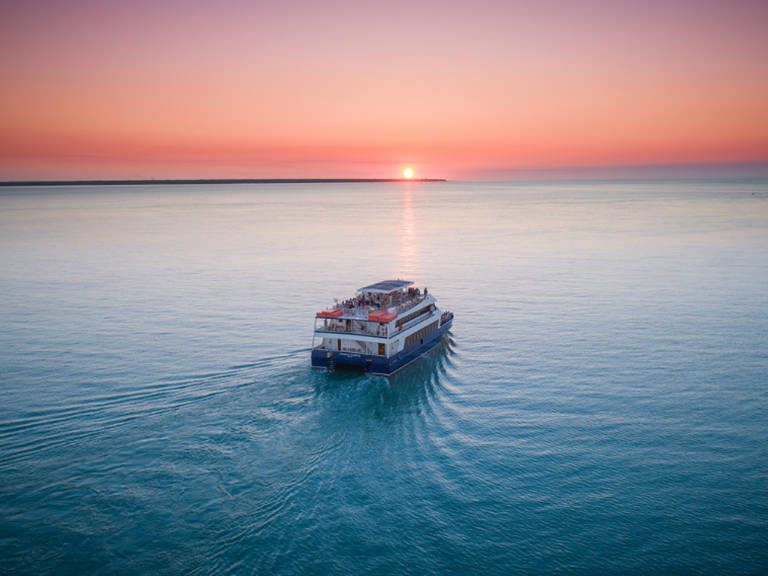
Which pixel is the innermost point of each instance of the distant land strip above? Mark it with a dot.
(215, 181)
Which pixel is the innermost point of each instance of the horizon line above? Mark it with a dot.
(124, 182)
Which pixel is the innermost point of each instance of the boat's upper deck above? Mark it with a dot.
(383, 299)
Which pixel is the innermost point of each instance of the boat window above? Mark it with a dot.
(412, 315)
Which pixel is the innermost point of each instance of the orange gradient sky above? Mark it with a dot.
(360, 89)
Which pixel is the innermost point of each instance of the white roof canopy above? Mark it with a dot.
(385, 286)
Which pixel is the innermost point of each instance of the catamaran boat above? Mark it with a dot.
(383, 328)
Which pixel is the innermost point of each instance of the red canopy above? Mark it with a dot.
(335, 313)
(381, 316)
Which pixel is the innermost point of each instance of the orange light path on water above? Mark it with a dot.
(408, 262)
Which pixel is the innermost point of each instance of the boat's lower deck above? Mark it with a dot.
(379, 365)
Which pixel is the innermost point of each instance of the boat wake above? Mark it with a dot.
(35, 430)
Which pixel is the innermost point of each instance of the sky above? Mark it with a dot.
(303, 89)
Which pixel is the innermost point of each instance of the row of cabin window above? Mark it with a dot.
(419, 335)
(413, 315)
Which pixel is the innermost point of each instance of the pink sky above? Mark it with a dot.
(190, 89)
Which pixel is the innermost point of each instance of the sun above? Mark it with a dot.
(408, 172)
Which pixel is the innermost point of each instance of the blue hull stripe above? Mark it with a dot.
(379, 364)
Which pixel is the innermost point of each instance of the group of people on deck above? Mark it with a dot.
(382, 301)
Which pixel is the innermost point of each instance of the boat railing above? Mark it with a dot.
(377, 330)
(363, 311)
(405, 306)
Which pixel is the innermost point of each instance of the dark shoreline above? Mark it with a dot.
(214, 181)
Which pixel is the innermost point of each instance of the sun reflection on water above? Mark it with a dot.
(409, 265)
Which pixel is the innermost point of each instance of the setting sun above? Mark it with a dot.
(408, 172)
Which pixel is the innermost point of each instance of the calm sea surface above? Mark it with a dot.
(601, 406)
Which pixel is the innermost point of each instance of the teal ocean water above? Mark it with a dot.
(600, 406)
